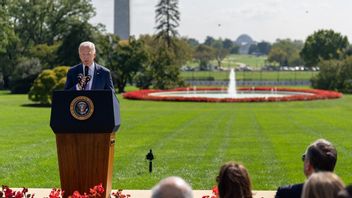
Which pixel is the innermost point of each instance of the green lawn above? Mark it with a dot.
(233, 60)
(191, 140)
(250, 75)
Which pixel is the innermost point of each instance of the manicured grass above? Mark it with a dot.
(234, 60)
(251, 75)
(250, 60)
(191, 140)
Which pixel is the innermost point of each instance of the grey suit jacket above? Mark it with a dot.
(101, 80)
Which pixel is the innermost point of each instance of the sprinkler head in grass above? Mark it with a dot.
(150, 157)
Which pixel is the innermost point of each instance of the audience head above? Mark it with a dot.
(233, 181)
(172, 187)
(321, 155)
(322, 185)
(346, 193)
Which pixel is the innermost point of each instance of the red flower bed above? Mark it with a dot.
(315, 94)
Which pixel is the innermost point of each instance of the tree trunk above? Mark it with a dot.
(6, 80)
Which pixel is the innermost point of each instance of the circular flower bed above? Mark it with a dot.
(311, 94)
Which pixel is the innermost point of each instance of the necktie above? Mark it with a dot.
(86, 69)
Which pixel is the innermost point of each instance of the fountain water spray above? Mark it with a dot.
(232, 88)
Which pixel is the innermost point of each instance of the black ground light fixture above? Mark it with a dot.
(150, 157)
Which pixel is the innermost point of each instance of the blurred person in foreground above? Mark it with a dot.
(322, 185)
(172, 187)
(233, 181)
(321, 155)
(346, 192)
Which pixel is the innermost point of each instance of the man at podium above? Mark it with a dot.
(88, 75)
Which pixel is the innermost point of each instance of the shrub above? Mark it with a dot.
(48, 81)
(334, 75)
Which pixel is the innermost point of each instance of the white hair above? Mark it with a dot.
(87, 44)
(172, 187)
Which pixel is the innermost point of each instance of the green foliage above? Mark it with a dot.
(44, 21)
(163, 72)
(204, 54)
(264, 47)
(323, 45)
(47, 54)
(286, 52)
(78, 32)
(24, 74)
(127, 58)
(167, 19)
(48, 81)
(9, 43)
(334, 75)
(166, 73)
(34, 29)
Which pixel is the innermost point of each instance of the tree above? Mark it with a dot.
(264, 47)
(209, 40)
(48, 81)
(47, 54)
(38, 22)
(8, 44)
(253, 49)
(68, 50)
(192, 42)
(334, 75)
(323, 45)
(220, 51)
(127, 59)
(167, 20)
(204, 54)
(228, 44)
(286, 52)
(24, 74)
(34, 24)
(166, 60)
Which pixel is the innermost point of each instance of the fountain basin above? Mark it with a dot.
(253, 94)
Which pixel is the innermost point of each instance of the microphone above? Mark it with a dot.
(83, 79)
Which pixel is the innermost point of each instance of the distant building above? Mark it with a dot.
(122, 19)
(244, 41)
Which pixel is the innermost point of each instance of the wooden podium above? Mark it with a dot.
(85, 123)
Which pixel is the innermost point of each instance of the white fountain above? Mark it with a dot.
(232, 88)
(230, 93)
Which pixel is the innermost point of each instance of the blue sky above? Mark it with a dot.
(261, 19)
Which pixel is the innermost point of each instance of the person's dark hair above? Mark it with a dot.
(322, 155)
(233, 181)
(345, 193)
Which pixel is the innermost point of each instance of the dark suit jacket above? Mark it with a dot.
(101, 80)
(290, 191)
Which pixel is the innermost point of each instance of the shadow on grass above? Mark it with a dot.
(36, 105)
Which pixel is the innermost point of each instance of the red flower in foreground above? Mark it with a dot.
(9, 193)
(94, 192)
(118, 194)
(97, 190)
(215, 192)
(56, 193)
